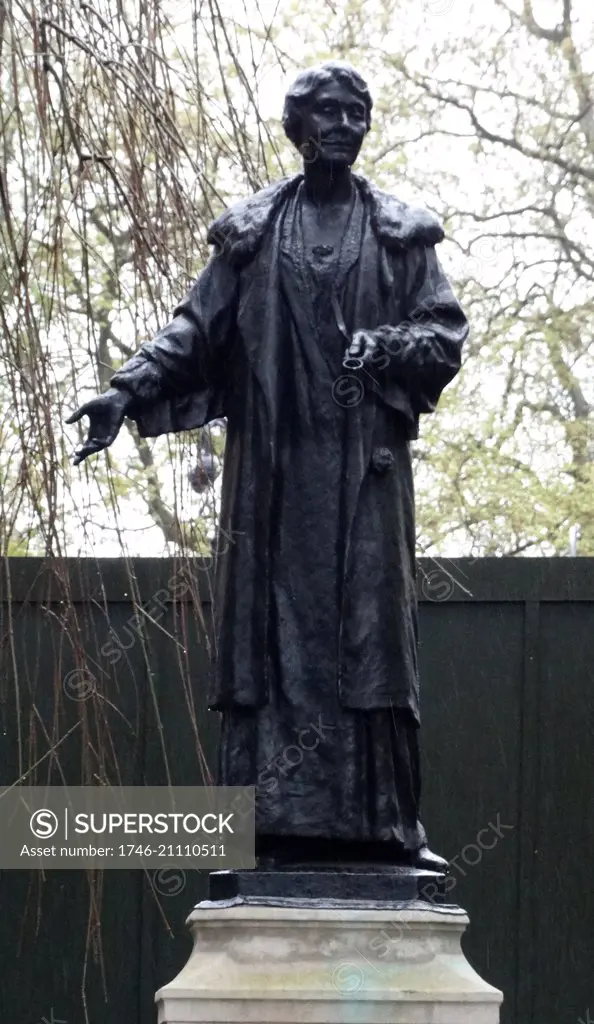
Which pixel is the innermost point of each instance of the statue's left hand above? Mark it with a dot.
(363, 346)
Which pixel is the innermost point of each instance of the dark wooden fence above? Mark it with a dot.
(102, 677)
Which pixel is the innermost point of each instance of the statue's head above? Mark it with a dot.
(327, 113)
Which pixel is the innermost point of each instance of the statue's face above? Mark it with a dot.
(334, 125)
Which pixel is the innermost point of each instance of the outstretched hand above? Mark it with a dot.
(106, 414)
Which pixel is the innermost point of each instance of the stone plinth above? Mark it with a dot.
(303, 965)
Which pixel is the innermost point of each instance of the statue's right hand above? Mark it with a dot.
(106, 414)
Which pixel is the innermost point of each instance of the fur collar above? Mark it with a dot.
(239, 230)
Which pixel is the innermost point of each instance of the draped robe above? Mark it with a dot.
(316, 672)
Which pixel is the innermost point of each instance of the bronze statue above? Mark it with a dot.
(321, 328)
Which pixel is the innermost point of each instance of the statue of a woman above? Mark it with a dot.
(321, 328)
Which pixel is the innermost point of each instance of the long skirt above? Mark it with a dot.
(328, 773)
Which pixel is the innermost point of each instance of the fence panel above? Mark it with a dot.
(103, 678)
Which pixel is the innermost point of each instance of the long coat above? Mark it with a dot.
(224, 354)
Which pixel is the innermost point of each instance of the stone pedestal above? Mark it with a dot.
(336, 965)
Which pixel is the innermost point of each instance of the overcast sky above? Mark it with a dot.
(428, 24)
